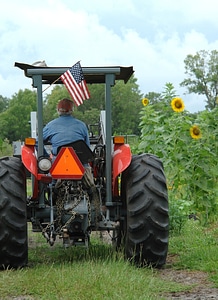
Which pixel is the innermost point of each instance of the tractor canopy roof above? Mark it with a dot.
(92, 74)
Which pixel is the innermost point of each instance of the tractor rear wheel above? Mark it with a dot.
(13, 214)
(146, 227)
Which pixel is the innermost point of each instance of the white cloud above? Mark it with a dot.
(152, 36)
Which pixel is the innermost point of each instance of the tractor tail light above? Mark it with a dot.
(119, 140)
(30, 141)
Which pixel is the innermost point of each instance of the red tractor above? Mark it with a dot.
(131, 202)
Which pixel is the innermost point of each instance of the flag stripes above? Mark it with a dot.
(75, 83)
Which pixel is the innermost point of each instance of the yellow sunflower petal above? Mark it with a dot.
(145, 101)
(195, 132)
(177, 104)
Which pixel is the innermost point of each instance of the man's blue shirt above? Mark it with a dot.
(65, 130)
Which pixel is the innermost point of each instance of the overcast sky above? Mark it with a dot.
(152, 36)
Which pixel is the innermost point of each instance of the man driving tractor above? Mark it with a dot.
(65, 130)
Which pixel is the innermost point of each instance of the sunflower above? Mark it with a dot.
(177, 104)
(145, 101)
(195, 132)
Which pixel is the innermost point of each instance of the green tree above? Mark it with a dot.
(153, 97)
(97, 98)
(14, 122)
(88, 112)
(126, 106)
(6, 148)
(202, 71)
(3, 103)
(126, 98)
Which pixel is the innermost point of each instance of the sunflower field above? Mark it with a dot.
(188, 146)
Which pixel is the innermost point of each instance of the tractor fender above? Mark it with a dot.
(121, 159)
(29, 159)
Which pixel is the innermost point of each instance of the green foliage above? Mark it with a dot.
(14, 122)
(5, 148)
(125, 98)
(179, 212)
(202, 71)
(153, 97)
(15, 113)
(90, 117)
(190, 164)
(196, 248)
(3, 103)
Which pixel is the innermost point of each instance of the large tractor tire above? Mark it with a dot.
(13, 214)
(146, 227)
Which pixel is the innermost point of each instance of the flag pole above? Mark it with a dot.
(51, 84)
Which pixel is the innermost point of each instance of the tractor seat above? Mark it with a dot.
(82, 150)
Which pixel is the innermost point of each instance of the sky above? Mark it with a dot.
(152, 36)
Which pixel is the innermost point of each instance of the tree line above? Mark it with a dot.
(126, 98)
(202, 78)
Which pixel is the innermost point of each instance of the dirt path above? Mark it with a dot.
(198, 285)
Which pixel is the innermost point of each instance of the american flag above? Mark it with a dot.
(75, 82)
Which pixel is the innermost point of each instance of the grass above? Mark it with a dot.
(196, 248)
(79, 273)
(82, 280)
(100, 273)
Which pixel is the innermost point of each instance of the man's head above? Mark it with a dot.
(65, 107)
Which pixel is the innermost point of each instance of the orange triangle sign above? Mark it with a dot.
(67, 165)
